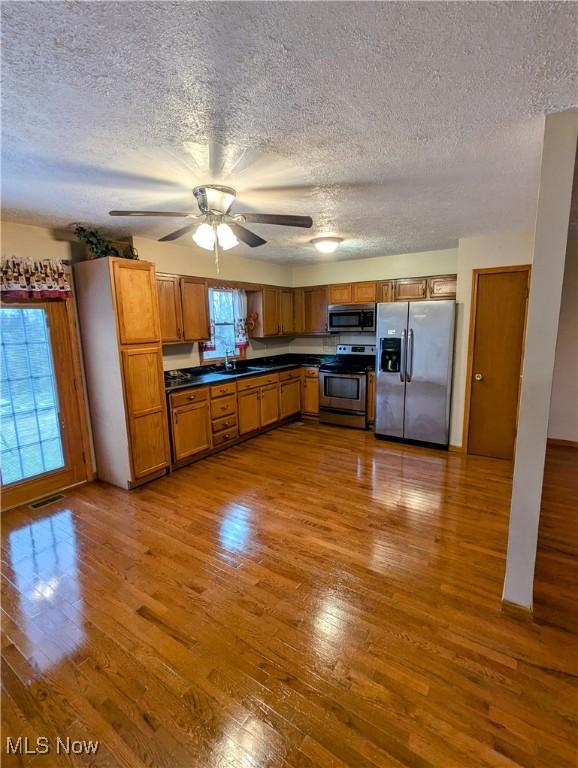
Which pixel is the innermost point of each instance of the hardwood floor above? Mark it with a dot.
(313, 597)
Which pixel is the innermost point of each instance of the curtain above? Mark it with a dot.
(240, 310)
(210, 345)
(23, 279)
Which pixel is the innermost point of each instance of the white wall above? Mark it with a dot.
(482, 252)
(550, 243)
(563, 422)
(378, 268)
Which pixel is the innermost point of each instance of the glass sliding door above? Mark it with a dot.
(40, 431)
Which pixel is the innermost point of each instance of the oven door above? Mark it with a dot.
(351, 317)
(342, 391)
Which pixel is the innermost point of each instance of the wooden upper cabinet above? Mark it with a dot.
(411, 288)
(298, 311)
(269, 404)
(136, 301)
(315, 309)
(191, 430)
(363, 293)
(169, 293)
(270, 310)
(385, 290)
(195, 309)
(442, 287)
(340, 294)
(286, 302)
(249, 412)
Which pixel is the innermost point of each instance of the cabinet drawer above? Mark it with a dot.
(226, 423)
(220, 390)
(188, 396)
(223, 406)
(289, 375)
(225, 437)
(258, 381)
(311, 373)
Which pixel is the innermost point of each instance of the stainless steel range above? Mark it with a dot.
(343, 386)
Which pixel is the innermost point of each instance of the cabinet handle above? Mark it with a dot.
(192, 397)
(177, 417)
(226, 424)
(179, 333)
(223, 390)
(227, 436)
(223, 407)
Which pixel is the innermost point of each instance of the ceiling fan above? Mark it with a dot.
(219, 227)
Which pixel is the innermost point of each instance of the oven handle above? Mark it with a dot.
(403, 355)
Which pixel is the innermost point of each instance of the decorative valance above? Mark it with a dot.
(25, 279)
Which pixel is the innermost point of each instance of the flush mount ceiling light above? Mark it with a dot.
(327, 244)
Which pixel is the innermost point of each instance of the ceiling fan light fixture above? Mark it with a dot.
(327, 244)
(204, 236)
(226, 237)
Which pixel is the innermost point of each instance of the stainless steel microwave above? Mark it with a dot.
(343, 318)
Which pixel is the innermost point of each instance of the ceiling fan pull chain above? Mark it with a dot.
(216, 247)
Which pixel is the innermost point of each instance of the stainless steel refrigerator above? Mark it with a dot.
(415, 343)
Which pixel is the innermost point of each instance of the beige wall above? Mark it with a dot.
(29, 242)
(563, 422)
(498, 250)
(379, 268)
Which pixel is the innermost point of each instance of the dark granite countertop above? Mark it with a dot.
(216, 374)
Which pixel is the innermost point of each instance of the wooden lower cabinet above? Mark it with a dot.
(191, 430)
(371, 397)
(269, 397)
(249, 411)
(290, 401)
(310, 402)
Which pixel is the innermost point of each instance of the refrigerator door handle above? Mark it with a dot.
(409, 355)
(403, 355)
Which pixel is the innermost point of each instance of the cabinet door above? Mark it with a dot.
(371, 397)
(269, 404)
(385, 290)
(290, 398)
(298, 311)
(145, 406)
(286, 310)
(315, 309)
(411, 289)
(271, 320)
(310, 402)
(249, 413)
(363, 293)
(340, 294)
(169, 295)
(442, 287)
(136, 301)
(195, 308)
(191, 430)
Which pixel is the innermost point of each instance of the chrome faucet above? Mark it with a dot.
(229, 364)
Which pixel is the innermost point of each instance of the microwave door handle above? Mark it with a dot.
(403, 355)
(409, 372)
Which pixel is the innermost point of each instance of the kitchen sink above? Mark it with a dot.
(242, 371)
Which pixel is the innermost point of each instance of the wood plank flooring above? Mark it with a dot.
(311, 598)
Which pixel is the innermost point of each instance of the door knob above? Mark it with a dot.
(478, 376)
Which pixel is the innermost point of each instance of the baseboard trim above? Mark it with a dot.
(516, 611)
(456, 449)
(563, 443)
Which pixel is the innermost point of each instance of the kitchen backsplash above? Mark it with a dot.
(187, 355)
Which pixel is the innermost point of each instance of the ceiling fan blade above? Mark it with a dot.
(178, 233)
(248, 237)
(182, 214)
(279, 218)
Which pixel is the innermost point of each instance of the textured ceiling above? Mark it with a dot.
(397, 126)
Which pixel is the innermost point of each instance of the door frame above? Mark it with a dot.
(61, 319)
(472, 335)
